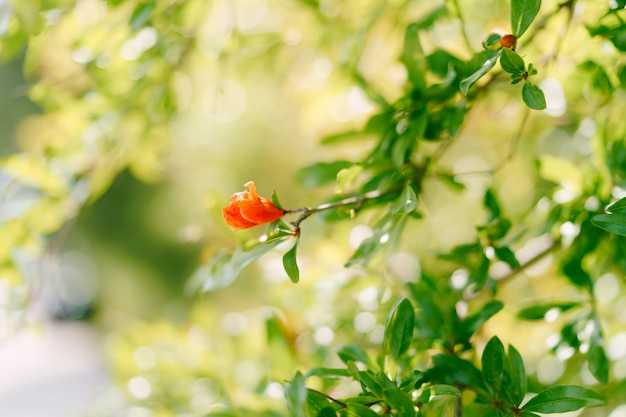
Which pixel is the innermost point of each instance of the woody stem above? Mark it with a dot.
(357, 201)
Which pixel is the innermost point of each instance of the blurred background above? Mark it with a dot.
(127, 125)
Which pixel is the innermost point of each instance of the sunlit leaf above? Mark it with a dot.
(296, 394)
(523, 12)
(564, 398)
(490, 59)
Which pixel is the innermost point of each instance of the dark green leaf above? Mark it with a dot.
(471, 324)
(326, 412)
(321, 173)
(316, 404)
(533, 96)
(452, 370)
(141, 15)
(517, 373)
(538, 311)
(614, 223)
(523, 12)
(493, 365)
(359, 410)
(511, 62)
(399, 401)
(491, 204)
(505, 254)
(290, 262)
(413, 58)
(487, 65)
(574, 271)
(492, 42)
(563, 398)
(296, 394)
(328, 372)
(618, 207)
(399, 328)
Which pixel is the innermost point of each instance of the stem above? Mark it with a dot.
(458, 407)
(462, 20)
(357, 201)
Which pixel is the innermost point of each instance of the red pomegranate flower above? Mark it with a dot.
(247, 209)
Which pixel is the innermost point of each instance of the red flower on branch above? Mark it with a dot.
(247, 209)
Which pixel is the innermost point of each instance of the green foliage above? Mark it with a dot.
(475, 216)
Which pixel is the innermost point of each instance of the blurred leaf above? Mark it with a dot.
(452, 370)
(511, 62)
(538, 311)
(430, 19)
(561, 171)
(614, 223)
(407, 202)
(598, 362)
(347, 176)
(223, 270)
(355, 353)
(472, 323)
(517, 373)
(414, 60)
(399, 401)
(351, 135)
(491, 204)
(375, 382)
(359, 410)
(492, 42)
(441, 389)
(563, 398)
(296, 395)
(533, 96)
(573, 270)
(290, 262)
(493, 365)
(506, 255)
(490, 58)
(275, 200)
(523, 12)
(321, 173)
(399, 328)
(318, 405)
(141, 15)
(328, 372)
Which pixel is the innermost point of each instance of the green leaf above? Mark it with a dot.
(487, 65)
(275, 200)
(614, 223)
(511, 62)
(296, 395)
(326, 412)
(407, 202)
(223, 270)
(533, 96)
(290, 262)
(598, 362)
(563, 398)
(354, 353)
(321, 173)
(328, 372)
(317, 404)
(517, 373)
(399, 328)
(523, 12)
(399, 401)
(506, 255)
(491, 203)
(538, 311)
(442, 389)
(141, 15)
(347, 176)
(359, 410)
(471, 324)
(618, 207)
(413, 58)
(493, 365)
(452, 370)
